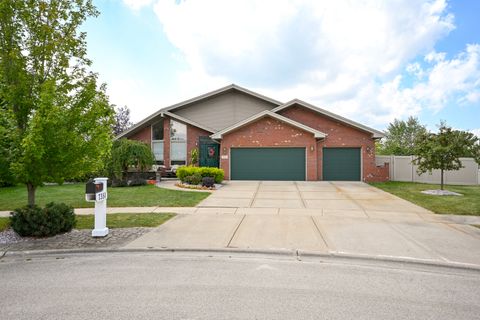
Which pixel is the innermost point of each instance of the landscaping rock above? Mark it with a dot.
(9, 236)
(75, 239)
(441, 193)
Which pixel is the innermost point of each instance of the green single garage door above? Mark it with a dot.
(267, 164)
(341, 164)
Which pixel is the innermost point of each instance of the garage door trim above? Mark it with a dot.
(266, 147)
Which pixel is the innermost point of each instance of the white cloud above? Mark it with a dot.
(358, 59)
(342, 55)
(476, 132)
(457, 79)
(137, 4)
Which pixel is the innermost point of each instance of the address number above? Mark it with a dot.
(101, 196)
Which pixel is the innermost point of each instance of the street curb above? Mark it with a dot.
(297, 254)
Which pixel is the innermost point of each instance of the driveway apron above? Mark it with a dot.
(350, 218)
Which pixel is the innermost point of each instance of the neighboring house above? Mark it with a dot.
(253, 137)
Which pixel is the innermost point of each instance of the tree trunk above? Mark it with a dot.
(31, 193)
(441, 179)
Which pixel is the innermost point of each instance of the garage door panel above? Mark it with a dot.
(267, 164)
(341, 164)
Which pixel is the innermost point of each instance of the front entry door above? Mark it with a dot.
(209, 152)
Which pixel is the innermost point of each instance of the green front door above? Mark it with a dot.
(209, 152)
(267, 164)
(341, 164)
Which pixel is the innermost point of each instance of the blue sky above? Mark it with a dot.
(371, 61)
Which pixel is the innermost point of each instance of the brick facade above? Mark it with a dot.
(193, 133)
(339, 135)
(269, 132)
(144, 135)
(166, 142)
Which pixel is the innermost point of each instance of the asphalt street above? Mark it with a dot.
(164, 285)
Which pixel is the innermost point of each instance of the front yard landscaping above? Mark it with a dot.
(468, 204)
(74, 195)
(116, 220)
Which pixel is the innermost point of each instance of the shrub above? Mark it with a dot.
(117, 183)
(34, 221)
(193, 179)
(137, 182)
(208, 182)
(213, 172)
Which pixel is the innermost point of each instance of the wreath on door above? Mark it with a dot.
(211, 152)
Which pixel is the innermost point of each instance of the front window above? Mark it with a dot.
(178, 143)
(157, 141)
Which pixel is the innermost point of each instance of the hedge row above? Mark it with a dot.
(213, 172)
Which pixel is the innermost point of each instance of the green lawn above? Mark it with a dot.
(116, 220)
(125, 220)
(4, 223)
(468, 204)
(74, 195)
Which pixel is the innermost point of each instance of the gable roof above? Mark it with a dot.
(167, 110)
(376, 134)
(317, 134)
(220, 91)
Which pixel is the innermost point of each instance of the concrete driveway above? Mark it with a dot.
(351, 218)
(317, 198)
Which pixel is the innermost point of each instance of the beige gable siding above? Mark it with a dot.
(224, 110)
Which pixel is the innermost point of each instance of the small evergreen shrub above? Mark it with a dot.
(34, 221)
(194, 179)
(208, 182)
(185, 171)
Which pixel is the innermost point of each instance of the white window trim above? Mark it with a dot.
(153, 140)
(186, 143)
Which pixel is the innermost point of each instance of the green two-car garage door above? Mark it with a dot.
(341, 164)
(267, 164)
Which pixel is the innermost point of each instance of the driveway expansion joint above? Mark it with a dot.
(235, 231)
(300, 195)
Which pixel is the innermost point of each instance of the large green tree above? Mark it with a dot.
(61, 116)
(444, 149)
(400, 137)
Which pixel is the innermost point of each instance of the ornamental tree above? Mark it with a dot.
(129, 153)
(443, 150)
(61, 116)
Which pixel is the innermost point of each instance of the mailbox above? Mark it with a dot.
(96, 191)
(92, 189)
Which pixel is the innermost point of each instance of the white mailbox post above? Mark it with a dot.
(97, 192)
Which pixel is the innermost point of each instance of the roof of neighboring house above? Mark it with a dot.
(317, 134)
(167, 110)
(376, 134)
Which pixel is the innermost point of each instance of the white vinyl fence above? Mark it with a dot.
(402, 169)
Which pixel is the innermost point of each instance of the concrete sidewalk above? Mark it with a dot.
(419, 238)
(85, 211)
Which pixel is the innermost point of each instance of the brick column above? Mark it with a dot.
(166, 142)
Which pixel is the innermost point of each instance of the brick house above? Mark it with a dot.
(253, 137)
